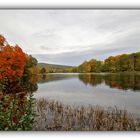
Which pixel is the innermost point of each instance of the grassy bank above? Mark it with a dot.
(55, 116)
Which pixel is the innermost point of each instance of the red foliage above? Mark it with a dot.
(12, 61)
(14, 119)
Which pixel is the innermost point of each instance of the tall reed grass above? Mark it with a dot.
(54, 116)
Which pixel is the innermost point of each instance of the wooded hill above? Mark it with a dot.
(55, 67)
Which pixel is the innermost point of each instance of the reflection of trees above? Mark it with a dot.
(123, 81)
(119, 81)
(113, 81)
(137, 82)
(91, 79)
(53, 77)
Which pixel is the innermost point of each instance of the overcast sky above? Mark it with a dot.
(71, 36)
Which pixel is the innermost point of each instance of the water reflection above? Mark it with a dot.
(52, 77)
(107, 90)
(118, 81)
(123, 81)
(91, 79)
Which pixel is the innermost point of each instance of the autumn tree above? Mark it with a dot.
(96, 66)
(12, 62)
(110, 64)
(2, 40)
(119, 63)
(84, 67)
(93, 64)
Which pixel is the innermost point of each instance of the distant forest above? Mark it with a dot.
(119, 63)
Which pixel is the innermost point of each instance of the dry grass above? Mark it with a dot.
(55, 116)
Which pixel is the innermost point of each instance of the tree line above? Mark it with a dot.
(119, 63)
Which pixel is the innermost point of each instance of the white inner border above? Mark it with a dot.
(69, 4)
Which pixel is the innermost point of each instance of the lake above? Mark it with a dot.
(106, 90)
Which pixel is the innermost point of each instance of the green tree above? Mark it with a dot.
(137, 61)
(30, 66)
(43, 71)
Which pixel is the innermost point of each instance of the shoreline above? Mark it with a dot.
(125, 72)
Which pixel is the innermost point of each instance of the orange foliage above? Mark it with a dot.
(2, 40)
(12, 61)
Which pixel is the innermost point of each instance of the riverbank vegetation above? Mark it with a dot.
(54, 116)
(16, 112)
(16, 101)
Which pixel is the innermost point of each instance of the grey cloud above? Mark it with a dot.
(75, 59)
(104, 32)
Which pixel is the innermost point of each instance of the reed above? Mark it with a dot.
(54, 116)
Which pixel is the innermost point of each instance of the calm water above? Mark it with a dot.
(121, 90)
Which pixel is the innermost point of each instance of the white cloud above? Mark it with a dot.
(60, 32)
